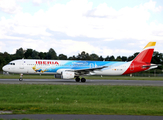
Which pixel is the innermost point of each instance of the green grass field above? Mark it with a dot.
(25, 76)
(77, 99)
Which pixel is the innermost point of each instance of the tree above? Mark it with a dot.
(94, 57)
(42, 55)
(19, 53)
(135, 54)
(158, 59)
(107, 58)
(118, 58)
(83, 56)
(35, 55)
(62, 57)
(72, 58)
(124, 58)
(28, 54)
(2, 62)
(130, 58)
(51, 54)
(112, 58)
(101, 58)
(7, 57)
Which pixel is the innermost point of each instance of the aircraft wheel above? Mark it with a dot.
(20, 79)
(77, 79)
(83, 80)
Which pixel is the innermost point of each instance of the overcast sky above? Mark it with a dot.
(104, 27)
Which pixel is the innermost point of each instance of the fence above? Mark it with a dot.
(149, 73)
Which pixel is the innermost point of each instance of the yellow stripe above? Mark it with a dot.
(150, 44)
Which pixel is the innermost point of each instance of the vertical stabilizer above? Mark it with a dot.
(142, 61)
(147, 53)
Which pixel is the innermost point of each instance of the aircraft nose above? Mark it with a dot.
(4, 68)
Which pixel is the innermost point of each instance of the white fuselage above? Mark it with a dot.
(27, 66)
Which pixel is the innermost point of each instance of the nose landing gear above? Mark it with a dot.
(21, 77)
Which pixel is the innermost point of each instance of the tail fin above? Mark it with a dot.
(147, 53)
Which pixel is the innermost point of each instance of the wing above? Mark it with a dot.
(87, 70)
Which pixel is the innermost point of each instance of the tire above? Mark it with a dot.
(77, 79)
(20, 79)
(83, 80)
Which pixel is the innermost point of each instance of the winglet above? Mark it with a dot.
(150, 44)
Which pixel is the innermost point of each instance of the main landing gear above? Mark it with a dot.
(21, 77)
(78, 79)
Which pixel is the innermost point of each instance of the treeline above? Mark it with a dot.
(5, 57)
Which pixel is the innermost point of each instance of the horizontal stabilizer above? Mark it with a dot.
(152, 66)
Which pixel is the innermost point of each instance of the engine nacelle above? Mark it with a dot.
(67, 75)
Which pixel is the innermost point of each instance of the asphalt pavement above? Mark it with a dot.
(88, 82)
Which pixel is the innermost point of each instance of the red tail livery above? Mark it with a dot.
(143, 60)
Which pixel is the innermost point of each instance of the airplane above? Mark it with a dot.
(70, 69)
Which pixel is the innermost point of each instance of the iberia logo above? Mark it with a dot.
(47, 62)
(40, 69)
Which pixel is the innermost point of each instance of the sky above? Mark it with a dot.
(103, 27)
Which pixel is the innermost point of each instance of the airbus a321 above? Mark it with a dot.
(70, 69)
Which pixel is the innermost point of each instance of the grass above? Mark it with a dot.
(90, 99)
(25, 76)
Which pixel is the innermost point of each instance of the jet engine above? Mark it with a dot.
(67, 75)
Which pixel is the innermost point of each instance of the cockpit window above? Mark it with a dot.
(11, 64)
